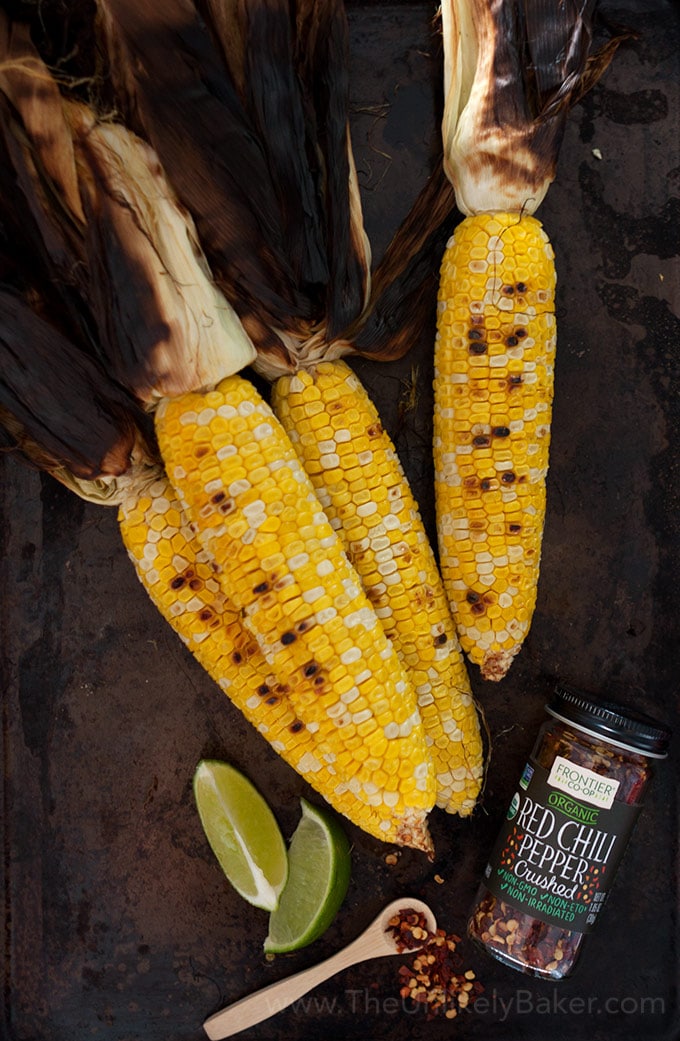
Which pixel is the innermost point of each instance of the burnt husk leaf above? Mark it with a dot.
(561, 61)
(193, 116)
(35, 256)
(556, 41)
(34, 93)
(225, 20)
(513, 70)
(165, 328)
(404, 284)
(323, 63)
(602, 54)
(276, 107)
(60, 398)
(38, 179)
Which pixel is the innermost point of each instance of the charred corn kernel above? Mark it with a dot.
(393, 558)
(181, 578)
(229, 509)
(495, 328)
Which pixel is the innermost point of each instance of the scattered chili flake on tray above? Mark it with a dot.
(437, 980)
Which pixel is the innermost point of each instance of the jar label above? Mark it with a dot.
(561, 844)
(583, 784)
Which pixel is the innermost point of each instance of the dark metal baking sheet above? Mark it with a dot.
(117, 921)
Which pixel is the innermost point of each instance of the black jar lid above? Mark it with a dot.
(612, 721)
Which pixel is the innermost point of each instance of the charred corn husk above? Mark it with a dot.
(352, 463)
(508, 85)
(40, 185)
(171, 77)
(164, 325)
(44, 380)
(282, 566)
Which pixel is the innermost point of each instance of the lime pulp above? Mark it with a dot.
(242, 832)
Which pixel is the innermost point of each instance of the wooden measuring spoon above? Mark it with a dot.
(374, 942)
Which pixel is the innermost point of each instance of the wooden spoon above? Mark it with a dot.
(374, 942)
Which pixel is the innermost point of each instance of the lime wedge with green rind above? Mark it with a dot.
(319, 866)
(242, 831)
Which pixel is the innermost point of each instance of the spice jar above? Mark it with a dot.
(565, 831)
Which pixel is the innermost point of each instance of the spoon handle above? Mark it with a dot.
(272, 999)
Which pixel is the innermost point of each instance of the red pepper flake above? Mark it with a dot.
(436, 978)
(408, 929)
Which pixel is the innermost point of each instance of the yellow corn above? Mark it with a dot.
(494, 358)
(282, 566)
(181, 578)
(358, 478)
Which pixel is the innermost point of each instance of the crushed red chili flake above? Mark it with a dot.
(437, 980)
(530, 941)
(408, 929)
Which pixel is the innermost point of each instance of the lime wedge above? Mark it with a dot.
(242, 832)
(319, 864)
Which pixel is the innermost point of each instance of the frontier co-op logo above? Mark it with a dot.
(583, 784)
(572, 786)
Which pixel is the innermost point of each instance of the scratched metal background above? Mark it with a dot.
(117, 921)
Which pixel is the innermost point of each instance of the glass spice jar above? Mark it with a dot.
(565, 831)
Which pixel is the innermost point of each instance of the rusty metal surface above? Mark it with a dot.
(118, 923)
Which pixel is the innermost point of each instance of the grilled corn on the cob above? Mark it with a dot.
(494, 361)
(361, 485)
(282, 566)
(149, 284)
(183, 580)
(508, 84)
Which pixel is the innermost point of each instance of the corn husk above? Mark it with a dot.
(322, 52)
(294, 82)
(40, 202)
(404, 284)
(512, 71)
(172, 76)
(164, 325)
(33, 92)
(274, 100)
(57, 407)
(142, 278)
